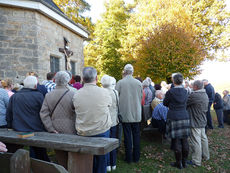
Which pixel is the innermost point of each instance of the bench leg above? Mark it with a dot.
(80, 163)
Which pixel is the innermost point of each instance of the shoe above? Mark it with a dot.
(108, 168)
(189, 162)
(114, 168)
(184, 164)
(177, 165)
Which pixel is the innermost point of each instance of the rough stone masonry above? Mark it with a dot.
(28, 39)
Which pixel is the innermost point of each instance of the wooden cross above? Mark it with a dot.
(68, 53)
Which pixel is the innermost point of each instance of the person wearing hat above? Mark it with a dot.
(130, 96)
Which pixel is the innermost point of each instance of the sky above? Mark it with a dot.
(216, 72)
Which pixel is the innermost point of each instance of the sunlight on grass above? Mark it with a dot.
(156, 157)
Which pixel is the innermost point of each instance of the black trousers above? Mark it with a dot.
(227, 116)
(160, 124)
(132, 141)
(181, 149)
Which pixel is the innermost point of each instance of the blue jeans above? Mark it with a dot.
(219, 114)
(112, 156)
(100, 161)
(132, 147)
(209, 117)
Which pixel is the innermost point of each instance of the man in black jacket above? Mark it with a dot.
(23, 113)
(211, 95)
(218, 106)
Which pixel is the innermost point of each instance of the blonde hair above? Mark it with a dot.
(32, 73)
(7, 83)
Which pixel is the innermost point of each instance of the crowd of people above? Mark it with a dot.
(65, 104)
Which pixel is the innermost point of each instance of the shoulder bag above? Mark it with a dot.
(118, 114)
(59, 101)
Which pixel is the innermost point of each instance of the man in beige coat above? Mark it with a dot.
(92, 113)
(130, 96)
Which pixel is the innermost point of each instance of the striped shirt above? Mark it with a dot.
(160, 112)
(50, 85)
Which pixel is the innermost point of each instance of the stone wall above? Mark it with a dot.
(28, 38)
(50, 39)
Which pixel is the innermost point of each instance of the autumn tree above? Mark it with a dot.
(74, 10)
(168, 49)
(102, 51)
(205, 22)
(211, 21)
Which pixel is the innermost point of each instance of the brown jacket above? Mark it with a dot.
(63, 118)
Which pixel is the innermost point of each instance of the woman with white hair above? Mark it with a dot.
(57, 112)
(108, 83)
(148, 92)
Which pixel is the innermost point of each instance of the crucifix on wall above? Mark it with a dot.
(68, 53)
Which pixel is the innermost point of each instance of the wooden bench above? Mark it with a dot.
(80, 149)
(20, 162)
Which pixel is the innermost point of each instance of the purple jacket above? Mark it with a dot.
(77, 85)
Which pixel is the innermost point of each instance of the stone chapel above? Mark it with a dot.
(32, 32)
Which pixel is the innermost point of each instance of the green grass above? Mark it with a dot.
(156, 157)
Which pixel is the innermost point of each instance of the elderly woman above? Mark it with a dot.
(178, 124)
(4, 100)
(108, 83)
(226, 109)
(148, 92)
(57, 112)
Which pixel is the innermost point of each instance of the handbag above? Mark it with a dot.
(118, 114)
(59, 101)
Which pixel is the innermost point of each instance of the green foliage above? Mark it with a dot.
(211, 21)
(158, 37)
(102, 51)
(203, 24)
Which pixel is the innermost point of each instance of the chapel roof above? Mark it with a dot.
(50, 2)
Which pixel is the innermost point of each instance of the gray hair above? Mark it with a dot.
(69, 73)
(178, 79)
(128, 69)
(173, 74)
(30, 82)
(62, 78)
(106, 81)
(205, 80)
(89, 74)
(158, 92)
(145, 83)
(148, 79)
(199, 84)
